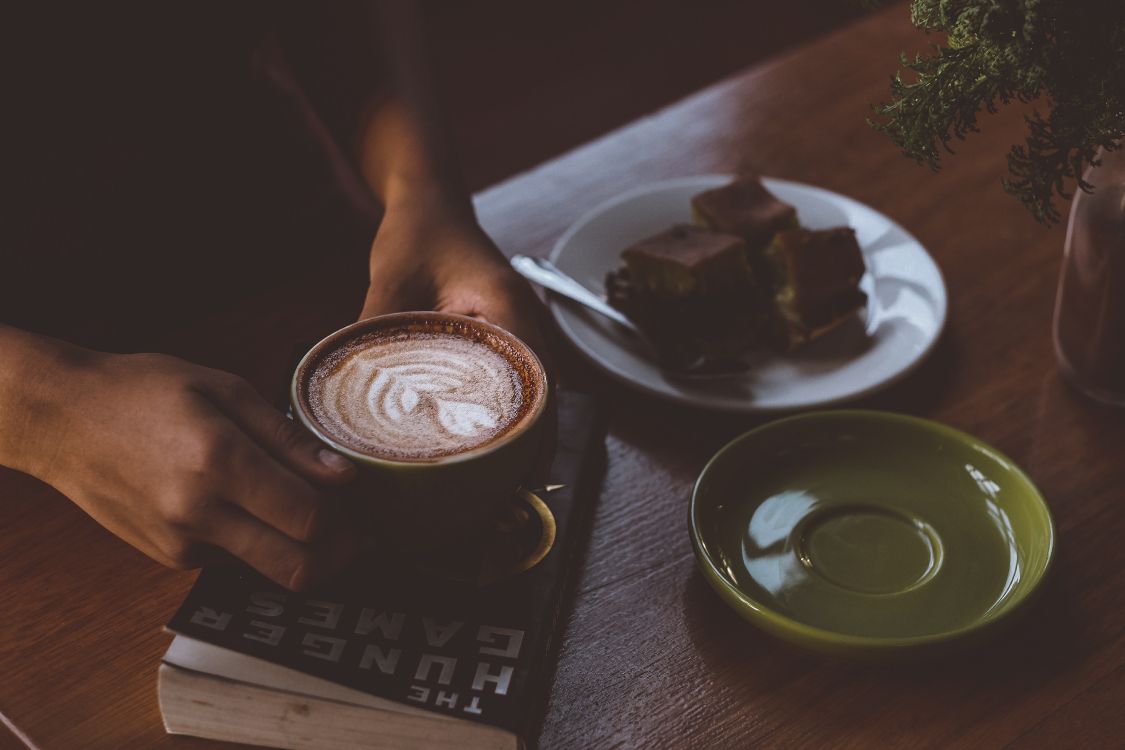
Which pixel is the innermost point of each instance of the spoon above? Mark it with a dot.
(547, 275)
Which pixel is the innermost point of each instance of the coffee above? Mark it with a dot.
(442, 415)
(421, 390)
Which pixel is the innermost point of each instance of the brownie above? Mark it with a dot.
(744, 208)
(692, 292)
(686, 260)
(815, 277)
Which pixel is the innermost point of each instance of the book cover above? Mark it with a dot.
(476, 649)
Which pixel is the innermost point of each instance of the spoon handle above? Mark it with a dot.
(547, 275)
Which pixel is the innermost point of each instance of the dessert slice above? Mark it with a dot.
(744, 208)
(815, 277)
(693, 294)
(687, 260)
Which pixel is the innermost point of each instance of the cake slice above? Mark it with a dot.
(815, 277)
(746, 209)
(692, 292)
(688, 260)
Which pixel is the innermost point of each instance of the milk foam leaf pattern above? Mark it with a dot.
(464, 418)
(399, 387)
(422, 397)
(408, 400)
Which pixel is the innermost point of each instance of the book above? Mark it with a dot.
(455, 653)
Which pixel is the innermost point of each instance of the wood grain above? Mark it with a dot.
(651, 658)
(586, 66)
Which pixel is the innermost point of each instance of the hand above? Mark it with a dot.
(441, 260)
(178, 460)
(432, 260)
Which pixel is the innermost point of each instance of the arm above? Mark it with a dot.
(405, 151)
(32, 366)
(429, 252)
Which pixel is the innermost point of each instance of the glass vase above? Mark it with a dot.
(1089, 327)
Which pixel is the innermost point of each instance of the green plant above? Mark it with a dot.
(1068, 55)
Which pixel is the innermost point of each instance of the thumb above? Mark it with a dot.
(281, 437)
(378, 302)
(390, 293)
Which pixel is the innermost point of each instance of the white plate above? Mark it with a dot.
(905, 313)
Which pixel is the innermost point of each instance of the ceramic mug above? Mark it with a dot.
(422, 502)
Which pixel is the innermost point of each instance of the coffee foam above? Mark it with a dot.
(416, 395)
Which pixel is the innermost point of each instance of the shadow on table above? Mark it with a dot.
(1045, 641)
(682, 439)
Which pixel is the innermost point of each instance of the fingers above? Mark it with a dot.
(284, 560)
(252, 480)
(264, 463)
(280, 437)
(518, 322)
(525, 325)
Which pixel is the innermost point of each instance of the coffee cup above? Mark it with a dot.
(441, 413)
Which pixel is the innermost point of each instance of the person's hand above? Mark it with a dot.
(179, 460)
(434, 260)
(440, 260)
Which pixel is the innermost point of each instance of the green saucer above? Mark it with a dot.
(869, 534)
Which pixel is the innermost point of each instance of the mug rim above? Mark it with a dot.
(529, 421)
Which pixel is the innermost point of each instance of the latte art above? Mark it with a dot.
(420, 396)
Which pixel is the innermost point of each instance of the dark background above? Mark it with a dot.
(150, 176)
(525, 81)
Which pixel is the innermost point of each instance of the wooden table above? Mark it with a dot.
(651, 657)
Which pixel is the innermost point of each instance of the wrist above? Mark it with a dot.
(424, 227)
(427, 202)
(33, 408)
(408, 167)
